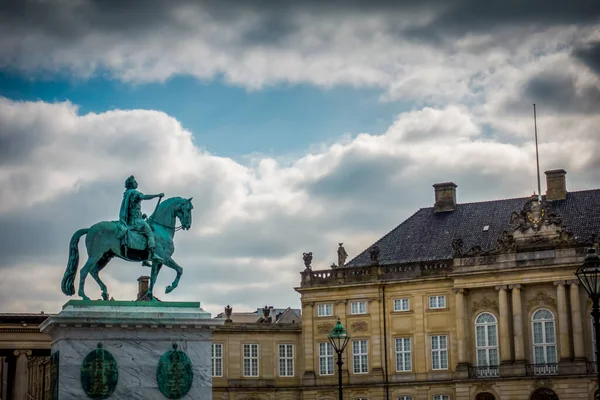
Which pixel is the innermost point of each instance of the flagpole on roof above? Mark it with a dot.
(537, 155)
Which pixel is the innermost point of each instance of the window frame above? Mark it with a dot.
(325, 306)
(545, 345)
(441, 397)
(402, 352)
(250, 358)
(487, 348)
(214, 359)
(400, 300)
(437, 304)
(439, 351)
(404, 397)
(363, 357)
(288, 360)
(326, 358)
(359, 311)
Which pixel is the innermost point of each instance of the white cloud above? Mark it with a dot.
(251, 223)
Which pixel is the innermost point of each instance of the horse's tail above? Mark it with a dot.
(68, 280)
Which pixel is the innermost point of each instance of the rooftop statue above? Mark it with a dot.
(131, 238)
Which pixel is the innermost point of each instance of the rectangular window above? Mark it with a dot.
(358, 307)
(437, 302)
(439, 352)
(360, 356)
(441, 397)
(217, 359)
(325, 359)
(286, 360)
(251, 360)
(401, 305)
(404, 398)
(403, 355)
(324, 310)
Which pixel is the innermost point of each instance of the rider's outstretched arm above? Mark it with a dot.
(151, 196)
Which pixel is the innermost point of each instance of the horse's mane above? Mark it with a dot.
(166, 204)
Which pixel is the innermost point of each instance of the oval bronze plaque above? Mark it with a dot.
(99, 374)
(174, 374)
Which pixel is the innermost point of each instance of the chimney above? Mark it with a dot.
(556, 186)
(143, 283)
(445, 197)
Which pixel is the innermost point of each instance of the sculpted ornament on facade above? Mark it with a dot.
(324, 328)
(359, 326)
(483, 386)
(543, 299)
(485, 304)
(543, 383)
(533, 216)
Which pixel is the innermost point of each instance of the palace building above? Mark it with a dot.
(461, 301)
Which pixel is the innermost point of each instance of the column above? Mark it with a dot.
(503, 325)
(563, 321)
(517, 311)
(577, 320)
(21, 375)
(461, 338)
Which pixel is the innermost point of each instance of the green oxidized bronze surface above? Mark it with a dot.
(174, 374)
(99, 374)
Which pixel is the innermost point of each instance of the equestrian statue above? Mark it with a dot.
(131, 238)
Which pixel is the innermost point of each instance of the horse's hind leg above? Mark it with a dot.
(87, 268)
(95, 273)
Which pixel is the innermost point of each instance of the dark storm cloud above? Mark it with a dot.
(70, 21)
(590, 56)
(557, 93)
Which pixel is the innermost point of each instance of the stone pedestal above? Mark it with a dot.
(117, 346)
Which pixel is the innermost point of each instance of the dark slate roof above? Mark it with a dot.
(427, 236)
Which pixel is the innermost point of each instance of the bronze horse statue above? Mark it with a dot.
(103, 242)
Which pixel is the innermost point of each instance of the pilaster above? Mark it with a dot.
(563, 321)
(517, 314)
(462, 369)
(21, 374)
(505, 349)
(308, 336)
(578, 347)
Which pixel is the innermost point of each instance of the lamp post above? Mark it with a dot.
(339, 339)
(589, 276)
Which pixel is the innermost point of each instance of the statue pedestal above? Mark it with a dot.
(131, 350)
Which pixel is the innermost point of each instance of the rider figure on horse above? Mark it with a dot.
(131, 213)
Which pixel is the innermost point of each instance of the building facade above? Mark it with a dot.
(459, 302)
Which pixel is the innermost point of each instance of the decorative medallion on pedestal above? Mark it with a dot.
(174, 374)
(99, 374)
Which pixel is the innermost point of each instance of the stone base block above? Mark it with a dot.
(113, 346)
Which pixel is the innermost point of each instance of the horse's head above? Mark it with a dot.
(184, 213)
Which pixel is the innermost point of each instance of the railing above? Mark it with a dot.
(542, 369)
(592, 367)
(488, 371)
(374, 272)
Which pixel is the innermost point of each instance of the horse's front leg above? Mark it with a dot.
(155, 270)
(169, 262)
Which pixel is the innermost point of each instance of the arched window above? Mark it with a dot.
(485, 396)
(544, 339)
(543, 394)
(486, 343)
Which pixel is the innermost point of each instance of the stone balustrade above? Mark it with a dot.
(374, 273)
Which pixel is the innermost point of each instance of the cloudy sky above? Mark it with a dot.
(294, 125)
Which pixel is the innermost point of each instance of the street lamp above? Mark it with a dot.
(589, 276)
(339, 339)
